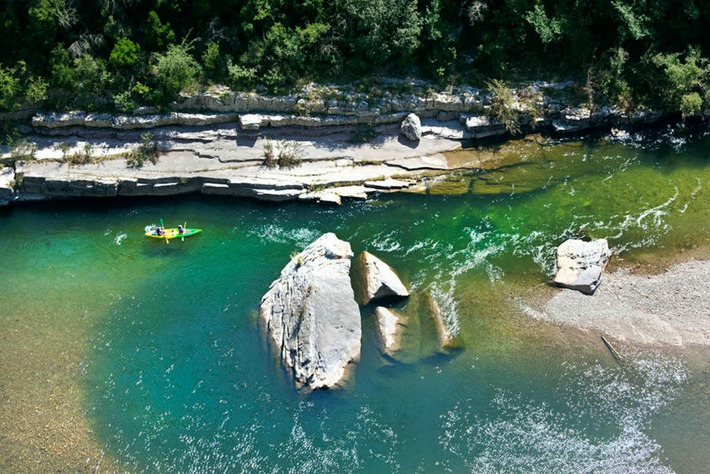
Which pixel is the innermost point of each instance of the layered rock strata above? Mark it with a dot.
(311, 316)
(580, 264)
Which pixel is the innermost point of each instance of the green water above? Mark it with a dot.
(175, 375)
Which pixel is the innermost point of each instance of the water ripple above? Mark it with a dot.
(522, 436)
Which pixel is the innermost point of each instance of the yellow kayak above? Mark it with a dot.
(170, 233)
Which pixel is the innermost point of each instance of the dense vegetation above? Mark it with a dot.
(123, 53)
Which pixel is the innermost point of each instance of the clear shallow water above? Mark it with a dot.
(175, 375)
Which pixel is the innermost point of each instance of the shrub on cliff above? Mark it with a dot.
(683, 80)
(283, 154)
(175, 71)
(148, 150)
(18, 86)
(503, 107)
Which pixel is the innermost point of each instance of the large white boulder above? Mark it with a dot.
(373, 279)
(311, 316)
(580, 264)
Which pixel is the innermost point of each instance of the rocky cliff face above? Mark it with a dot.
(7, 179)
(311, 315)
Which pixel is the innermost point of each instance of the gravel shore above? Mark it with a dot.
(670, 308)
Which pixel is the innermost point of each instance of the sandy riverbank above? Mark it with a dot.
(668, 308)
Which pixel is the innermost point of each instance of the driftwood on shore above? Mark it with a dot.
(612, 351)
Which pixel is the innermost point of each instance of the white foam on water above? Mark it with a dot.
(277, 234)
(328, 449)
(385, 242)
(672, 137)
(450, 264)
(652, 221)
(119, 238)
(693, 195)
(443, 294)
(600, 426)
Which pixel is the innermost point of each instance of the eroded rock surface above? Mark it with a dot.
(373, 279)
(311, 316)
(7, 179)
(580, 264)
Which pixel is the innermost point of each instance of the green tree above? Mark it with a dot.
(159, 35)
(380, 31)
(549, 29)
(175, 71)
(19, 86)
(9, 89)
(439, 42)
(683, 80)
(125, 53)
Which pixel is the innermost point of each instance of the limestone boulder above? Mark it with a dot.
(253, 121)
(580, 264)
(390, 325)
(573, 119)
(311, 317)
(373, 279)
(412, 127)
(481, 126)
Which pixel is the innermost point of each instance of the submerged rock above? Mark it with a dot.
(327, 197)
(412, 127)
(580, 264)
(390, 325)
(311, 316)
(448, 339)
(373, 279)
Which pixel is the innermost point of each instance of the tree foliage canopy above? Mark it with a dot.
(137, 51)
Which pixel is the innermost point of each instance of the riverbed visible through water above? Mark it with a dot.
(126, 353)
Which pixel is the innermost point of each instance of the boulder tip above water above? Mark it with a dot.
(411, 127)
(448, 336)
(580, 264)
(311, 316)
(390, 325)
(373, 279)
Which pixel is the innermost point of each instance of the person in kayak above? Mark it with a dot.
(181, 230)
(159, 231)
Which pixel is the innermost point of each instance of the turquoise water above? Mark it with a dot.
(176, 376)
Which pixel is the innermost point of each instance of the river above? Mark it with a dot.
(122, 352)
